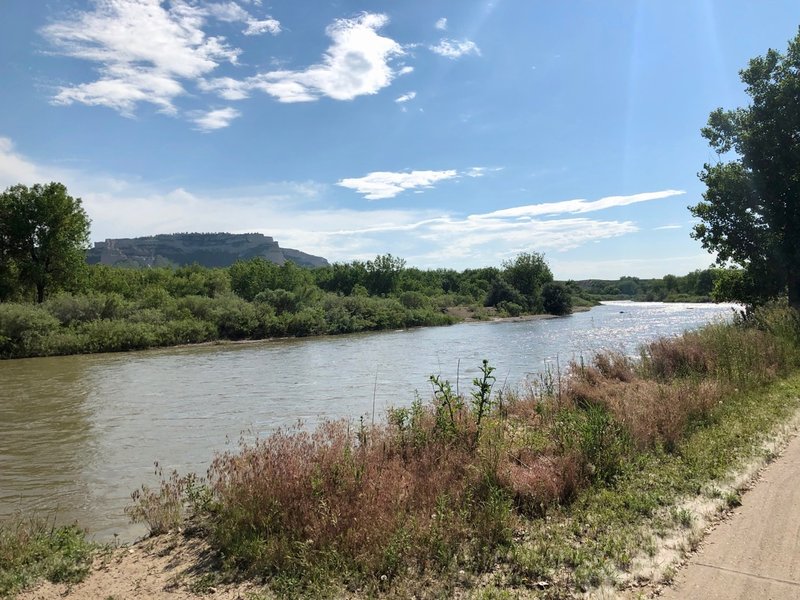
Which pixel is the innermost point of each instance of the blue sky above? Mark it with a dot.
(450, 133)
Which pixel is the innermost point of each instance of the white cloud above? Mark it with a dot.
(453, 49)
(226, 87)
(665, 227)
(143, 50)
(356, 63)
(229, 12)
(256, 27)
(441, 24)
(299, 215)
(380, 185)
(406, 97)
(15, 168)
(216, 119)
(580, 206)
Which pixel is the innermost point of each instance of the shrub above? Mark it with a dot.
(23, 329)
(556, 298)
(70, 309)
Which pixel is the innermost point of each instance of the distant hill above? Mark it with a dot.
(207, 249)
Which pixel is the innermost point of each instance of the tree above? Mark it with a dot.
(556, 298)
(44, 234)
(383, 274)
(528, 272)
(750, 211)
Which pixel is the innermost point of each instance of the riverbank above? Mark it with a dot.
(179, 565)
(117, 309)
(578, 484)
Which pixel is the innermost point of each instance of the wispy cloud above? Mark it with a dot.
(454, 49)
(665, 227)
(358, 62)
(380, 185)
(481, 171)
(441, 24)
(231, 12)
(580, 206)
(406, 97)
(216, 119)
(427, 237)
(144, 51)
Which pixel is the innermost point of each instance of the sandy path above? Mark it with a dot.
(756, 552)
(162, 568)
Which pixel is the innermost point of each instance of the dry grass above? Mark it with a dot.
(435, 490)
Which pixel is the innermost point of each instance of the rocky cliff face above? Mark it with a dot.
(207, 249)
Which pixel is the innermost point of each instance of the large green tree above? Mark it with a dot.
(750, 213)
(44, 233)
(527, 273)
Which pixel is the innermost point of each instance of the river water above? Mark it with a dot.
(79, 433)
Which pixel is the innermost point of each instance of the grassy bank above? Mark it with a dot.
(574, 483)
(35, 549)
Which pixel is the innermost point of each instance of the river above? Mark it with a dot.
(79, 433)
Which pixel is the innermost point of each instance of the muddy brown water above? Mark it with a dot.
(79, 433)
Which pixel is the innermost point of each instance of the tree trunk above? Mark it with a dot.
(39, 293)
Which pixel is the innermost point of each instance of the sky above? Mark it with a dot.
(450, 133)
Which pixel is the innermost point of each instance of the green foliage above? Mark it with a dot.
(36, 549)
(527, 273)
(748, 213)
(556, 298)
(23, 329)
(117, 308)
(44, 233)
(482, 395)
(448, 406)
(696, 286)
(383, 274)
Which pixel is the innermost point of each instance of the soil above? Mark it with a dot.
(166, 567)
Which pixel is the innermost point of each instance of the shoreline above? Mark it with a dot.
(181, 565)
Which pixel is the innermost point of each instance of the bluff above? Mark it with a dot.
(207, 249)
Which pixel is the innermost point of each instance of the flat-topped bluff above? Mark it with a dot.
(207, 249)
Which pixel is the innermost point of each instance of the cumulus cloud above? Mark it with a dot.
(131, 71)
(145, 51)
(216, 119)
(441, 24)
(358, 62)
(256, 27)
(406, 97)
(454, 49)
(380, 185)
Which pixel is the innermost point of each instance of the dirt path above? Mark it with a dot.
(756, 552)
(167, 567)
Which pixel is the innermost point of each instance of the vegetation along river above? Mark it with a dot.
(79, 433)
